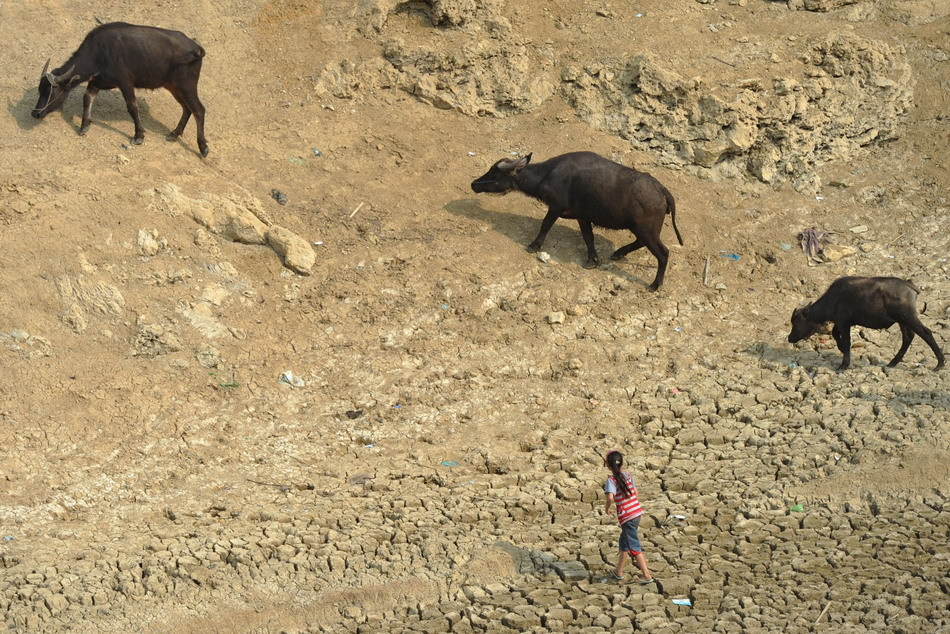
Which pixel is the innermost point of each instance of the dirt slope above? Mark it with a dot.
(435, 468)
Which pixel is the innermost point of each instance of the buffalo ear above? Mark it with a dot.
(520, 164)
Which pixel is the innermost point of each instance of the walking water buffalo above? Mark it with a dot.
(872, 302)
(127, 56)
(594, 191)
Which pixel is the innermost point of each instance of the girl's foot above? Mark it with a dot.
(644, 582)
(613, 576)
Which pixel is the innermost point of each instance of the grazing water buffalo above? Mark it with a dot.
(126, 56)
(872, 302)
(594, 191)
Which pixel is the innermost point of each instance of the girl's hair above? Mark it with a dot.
(614, 460)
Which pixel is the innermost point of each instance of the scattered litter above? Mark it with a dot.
(859, 229)
(813, 242)
(449, 463)
(797, 508)
(316, 152)
(819, 197)
(676, 390)
(678, 329)
(8, 538)
(678, 517)
(279, 196)
(730, 256)
(793, 364)
(639, 15)
(296, 160)
(353, 213)
(471, 153)
(445, 306)
(318, 243)
(544, 257)
(369, 446)
(291, 379)
(682, 602)
(706, 273)
(353, 414)
(397, 406)
(785, 246)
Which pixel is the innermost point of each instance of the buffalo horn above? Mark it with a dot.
(65, 76)
(46, 68)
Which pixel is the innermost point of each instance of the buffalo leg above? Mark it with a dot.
(185, 116)
(546, 224)
(662, 255)
(926, 335)
(630, 248)
(198, 109)
(587, 230)
(133, 107)
(842, 335)
(88, 97)
(907, 335)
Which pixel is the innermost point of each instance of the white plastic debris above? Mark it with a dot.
(291, 379)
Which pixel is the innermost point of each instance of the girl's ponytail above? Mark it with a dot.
(614, 460)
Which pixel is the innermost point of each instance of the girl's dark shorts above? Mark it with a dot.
(630, 537)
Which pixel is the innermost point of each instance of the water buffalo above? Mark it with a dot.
(594, 191)
(871, 302)
(127, 56)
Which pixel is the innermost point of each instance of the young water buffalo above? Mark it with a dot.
(594, 191)
(872, 302)
(126, 56)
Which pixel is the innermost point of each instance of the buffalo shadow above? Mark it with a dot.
(564, 243)
(108, 112)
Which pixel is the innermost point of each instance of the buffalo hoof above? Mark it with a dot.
(83, 130)
(591, 264)
(653, 287)
(171, 136)
(533, 248)
(139, 140)
(616, 255)
(204, 151)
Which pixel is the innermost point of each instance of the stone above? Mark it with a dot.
(835, 252)
(295, 252)
(570, 570)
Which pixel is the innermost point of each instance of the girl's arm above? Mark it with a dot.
(608, 503)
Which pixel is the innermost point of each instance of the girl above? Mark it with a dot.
(621, 491)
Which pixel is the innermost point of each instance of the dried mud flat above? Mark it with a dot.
(435, 467)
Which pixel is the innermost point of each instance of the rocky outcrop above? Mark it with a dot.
(239, 220)
(852, 93)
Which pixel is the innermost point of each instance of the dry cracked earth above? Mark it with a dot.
(313, 383)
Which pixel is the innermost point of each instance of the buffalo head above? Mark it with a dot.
(803, 326)
(53, 90)
(500, 179)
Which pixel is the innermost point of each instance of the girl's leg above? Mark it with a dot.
(642, 565)
(621, 562)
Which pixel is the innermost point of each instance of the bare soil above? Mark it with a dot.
(436, 465)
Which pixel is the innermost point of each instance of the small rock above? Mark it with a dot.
(570, 570)
(279, 196)
(557, 317)
(859, 229)
(544, 257)
(835, 252)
